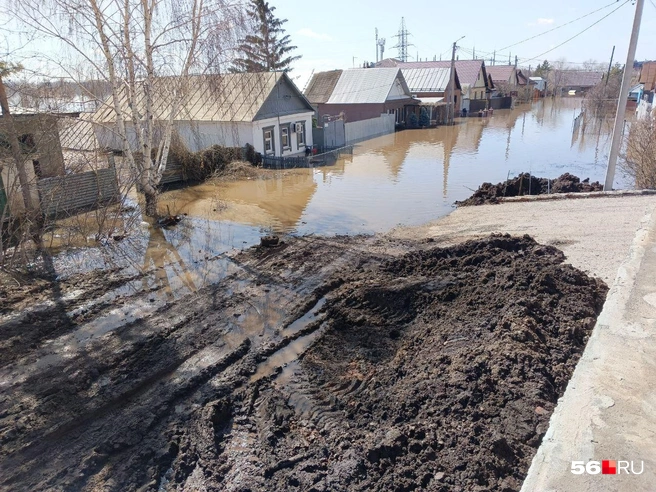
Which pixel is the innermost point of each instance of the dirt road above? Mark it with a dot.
(420, 368)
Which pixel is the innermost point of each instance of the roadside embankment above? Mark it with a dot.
(595, 234)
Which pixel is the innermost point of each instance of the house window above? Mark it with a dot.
(269, 145)
(300, 134)
(285, 142)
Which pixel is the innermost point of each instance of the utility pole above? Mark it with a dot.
(494, 58)
(452, 82)
(624, 95)
(610, 64)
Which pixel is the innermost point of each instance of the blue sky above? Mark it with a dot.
(330, 33)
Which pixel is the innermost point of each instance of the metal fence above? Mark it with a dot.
(63, 196)
(327, 157)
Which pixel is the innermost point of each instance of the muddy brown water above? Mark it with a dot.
(412, 176)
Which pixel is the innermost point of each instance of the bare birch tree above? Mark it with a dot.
(146, 50)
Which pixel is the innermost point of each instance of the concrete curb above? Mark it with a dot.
(607, 411)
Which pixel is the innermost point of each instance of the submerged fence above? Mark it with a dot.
(327, 158)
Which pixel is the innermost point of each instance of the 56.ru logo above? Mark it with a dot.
(607, 467)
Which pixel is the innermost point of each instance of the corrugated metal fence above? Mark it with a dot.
(358, 131)
(65, 195)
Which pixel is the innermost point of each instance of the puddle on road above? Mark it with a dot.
(287, 354)
(304, 320)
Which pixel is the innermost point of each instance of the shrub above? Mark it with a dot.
(424, 119)
(639, 161)
(413, 121)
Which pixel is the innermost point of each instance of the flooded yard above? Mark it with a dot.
(409, 177)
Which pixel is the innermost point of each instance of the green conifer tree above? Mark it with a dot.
(267, 48)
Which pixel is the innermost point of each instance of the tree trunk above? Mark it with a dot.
(151, 204)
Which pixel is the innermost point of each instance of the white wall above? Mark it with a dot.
(357, 131)
(204, 134)
(258, 134)
(199, 135)
(397, 92)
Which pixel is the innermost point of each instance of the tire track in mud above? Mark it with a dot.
(125, 391)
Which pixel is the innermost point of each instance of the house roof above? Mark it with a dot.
(428, 79)
(321, 86)
(467, 70)
(578, 78)
(501, 73)
(648, 75)
(228, 97)
(536, 79)
(366, 86)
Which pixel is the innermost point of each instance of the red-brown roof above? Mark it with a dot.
(501, 73)
(648, 75)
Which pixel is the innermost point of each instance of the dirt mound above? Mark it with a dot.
(427, 369)
(526, 184)
(442, 368)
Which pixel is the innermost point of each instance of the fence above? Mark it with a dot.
(62, 196)
(358, 131)
(326, 158)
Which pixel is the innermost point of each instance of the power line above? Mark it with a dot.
(558, 27)
(524, 60)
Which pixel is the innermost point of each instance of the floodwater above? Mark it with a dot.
(409, 177)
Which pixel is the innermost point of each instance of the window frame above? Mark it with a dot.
(283, 147)
(273, 140)
(300, 135)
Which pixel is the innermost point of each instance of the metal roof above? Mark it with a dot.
(227, 97)
(502, 73)
(576, 78)
(427, 79)
(467, 70)
(321, 86)
(367, 86)
(432, 101)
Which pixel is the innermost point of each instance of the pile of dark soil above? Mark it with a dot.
(440, 370)
(526, 184)
(431, 369)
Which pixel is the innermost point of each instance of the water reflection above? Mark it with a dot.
(407, 178)
(410, 177)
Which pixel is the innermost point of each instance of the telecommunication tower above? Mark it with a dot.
(380, 47)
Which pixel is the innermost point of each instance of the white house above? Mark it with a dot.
(265, 110)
